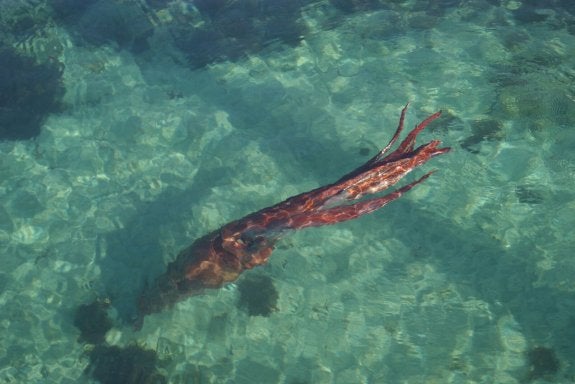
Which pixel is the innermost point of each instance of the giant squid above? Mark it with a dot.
(221, 256)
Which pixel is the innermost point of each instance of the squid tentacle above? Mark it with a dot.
(376, 175)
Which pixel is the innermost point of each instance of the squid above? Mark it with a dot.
(221, 256)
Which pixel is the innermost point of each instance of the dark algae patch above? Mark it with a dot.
(542, 364)
(130, 365)
(112, 364)
(29, 92)
(93, 322)
(232, 30)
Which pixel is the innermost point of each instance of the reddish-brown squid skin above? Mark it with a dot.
(221, 256)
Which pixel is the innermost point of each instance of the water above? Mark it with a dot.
(179, 117)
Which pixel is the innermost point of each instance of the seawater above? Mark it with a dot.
(181, 116)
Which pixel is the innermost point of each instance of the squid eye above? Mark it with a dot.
(252, 243)
(246, 240)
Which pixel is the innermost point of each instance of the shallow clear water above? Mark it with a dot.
(462, 280)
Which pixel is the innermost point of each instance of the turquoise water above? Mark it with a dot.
(468, 278)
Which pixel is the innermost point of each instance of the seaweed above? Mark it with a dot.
(93, 322)
(103, 22)
(29, 92)
(112, 364)
(130, 365)
(542, 363)
(234, 29)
